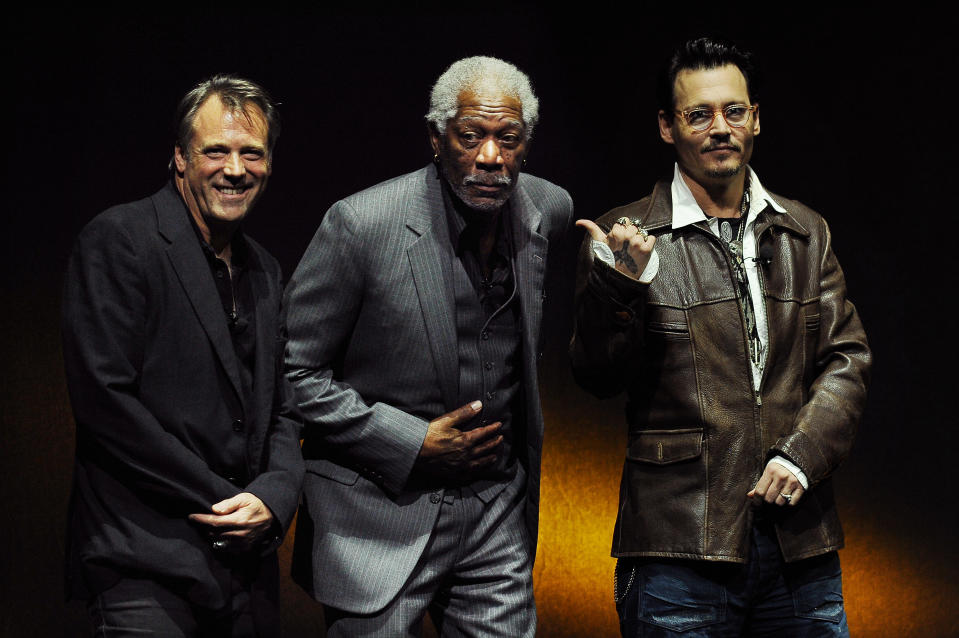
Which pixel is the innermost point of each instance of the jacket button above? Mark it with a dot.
(435, 498)
(237, 425)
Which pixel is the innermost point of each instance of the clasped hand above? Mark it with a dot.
(450, 452)
(240, 521)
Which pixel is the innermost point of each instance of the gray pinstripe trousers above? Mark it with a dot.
(474, 577)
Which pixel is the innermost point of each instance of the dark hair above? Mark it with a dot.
(235, 93)
(701, 54)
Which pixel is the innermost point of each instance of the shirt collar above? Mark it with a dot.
(237, 244)
(686, 211)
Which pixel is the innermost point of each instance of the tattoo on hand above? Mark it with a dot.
(624, 258)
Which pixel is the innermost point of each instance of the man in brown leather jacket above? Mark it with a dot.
(721, 310)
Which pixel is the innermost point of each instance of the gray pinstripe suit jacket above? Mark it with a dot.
(372, 357)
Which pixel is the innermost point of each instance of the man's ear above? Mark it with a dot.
(756, 120)
(435, 138)
(178, 159)
(665, 128)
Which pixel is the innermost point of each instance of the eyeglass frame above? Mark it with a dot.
(750, 108)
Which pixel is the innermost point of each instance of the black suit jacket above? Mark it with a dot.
(155, 387)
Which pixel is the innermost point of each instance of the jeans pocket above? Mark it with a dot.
(820, 600)
(816, 585)
(680, 599)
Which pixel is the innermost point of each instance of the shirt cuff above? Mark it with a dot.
(792, 467)
(604, 253)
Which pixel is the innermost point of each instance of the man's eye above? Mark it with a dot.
(737, 112)
(253, 156)
(699, 116)
(469, 137)
(510, 140)
(215, 154)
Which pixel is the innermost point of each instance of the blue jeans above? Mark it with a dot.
(764, 597)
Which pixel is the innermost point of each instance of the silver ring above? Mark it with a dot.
(786, 497)
(221, 543)
(642, 231)
(625, 221)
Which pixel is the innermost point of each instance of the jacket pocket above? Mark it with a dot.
(669, 330)
(332, 471)
(663, 494)
(812, 321)
(662, 447)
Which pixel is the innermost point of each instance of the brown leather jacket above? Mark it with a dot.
(699, 435)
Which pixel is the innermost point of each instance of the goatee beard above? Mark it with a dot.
(721, 173)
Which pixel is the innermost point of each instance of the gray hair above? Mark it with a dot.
(475, 73)
(235, 93)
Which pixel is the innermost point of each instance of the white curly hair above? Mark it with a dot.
(475, 73)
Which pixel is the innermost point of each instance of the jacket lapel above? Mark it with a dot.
(530, 249)
(193, 272)
(430, 262)
(265, 358)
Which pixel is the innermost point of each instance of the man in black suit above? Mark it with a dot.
(188, 466)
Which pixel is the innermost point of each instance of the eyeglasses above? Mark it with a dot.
(701, 119)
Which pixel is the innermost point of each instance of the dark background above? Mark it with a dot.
(857, 122)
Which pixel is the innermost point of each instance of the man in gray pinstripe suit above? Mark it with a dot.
(414, 322)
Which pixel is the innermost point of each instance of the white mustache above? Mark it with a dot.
(490, 180)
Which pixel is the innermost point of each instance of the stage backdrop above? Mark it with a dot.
(856, 123)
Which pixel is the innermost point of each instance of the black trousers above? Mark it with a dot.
(145, 607)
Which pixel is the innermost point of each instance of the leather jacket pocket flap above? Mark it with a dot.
(332, 471)
(666, 446)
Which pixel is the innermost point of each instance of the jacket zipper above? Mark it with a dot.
(742, 318)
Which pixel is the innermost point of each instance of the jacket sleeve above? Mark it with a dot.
(322, 302)
(608, 326)
(825, 426)
(105, 306)
(281, 470)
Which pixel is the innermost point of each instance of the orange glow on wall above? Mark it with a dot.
(894, 587)
(890, 587)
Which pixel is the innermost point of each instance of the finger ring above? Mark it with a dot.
(625, 221)
(642, 231)
(221, 543)
(787, 497)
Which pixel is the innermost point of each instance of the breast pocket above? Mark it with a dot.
(666, 323)
(668, 350)
(812, 322)
(669, 330)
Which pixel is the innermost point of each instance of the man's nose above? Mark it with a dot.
(489, 155)
(234, 166)
(720, 125)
